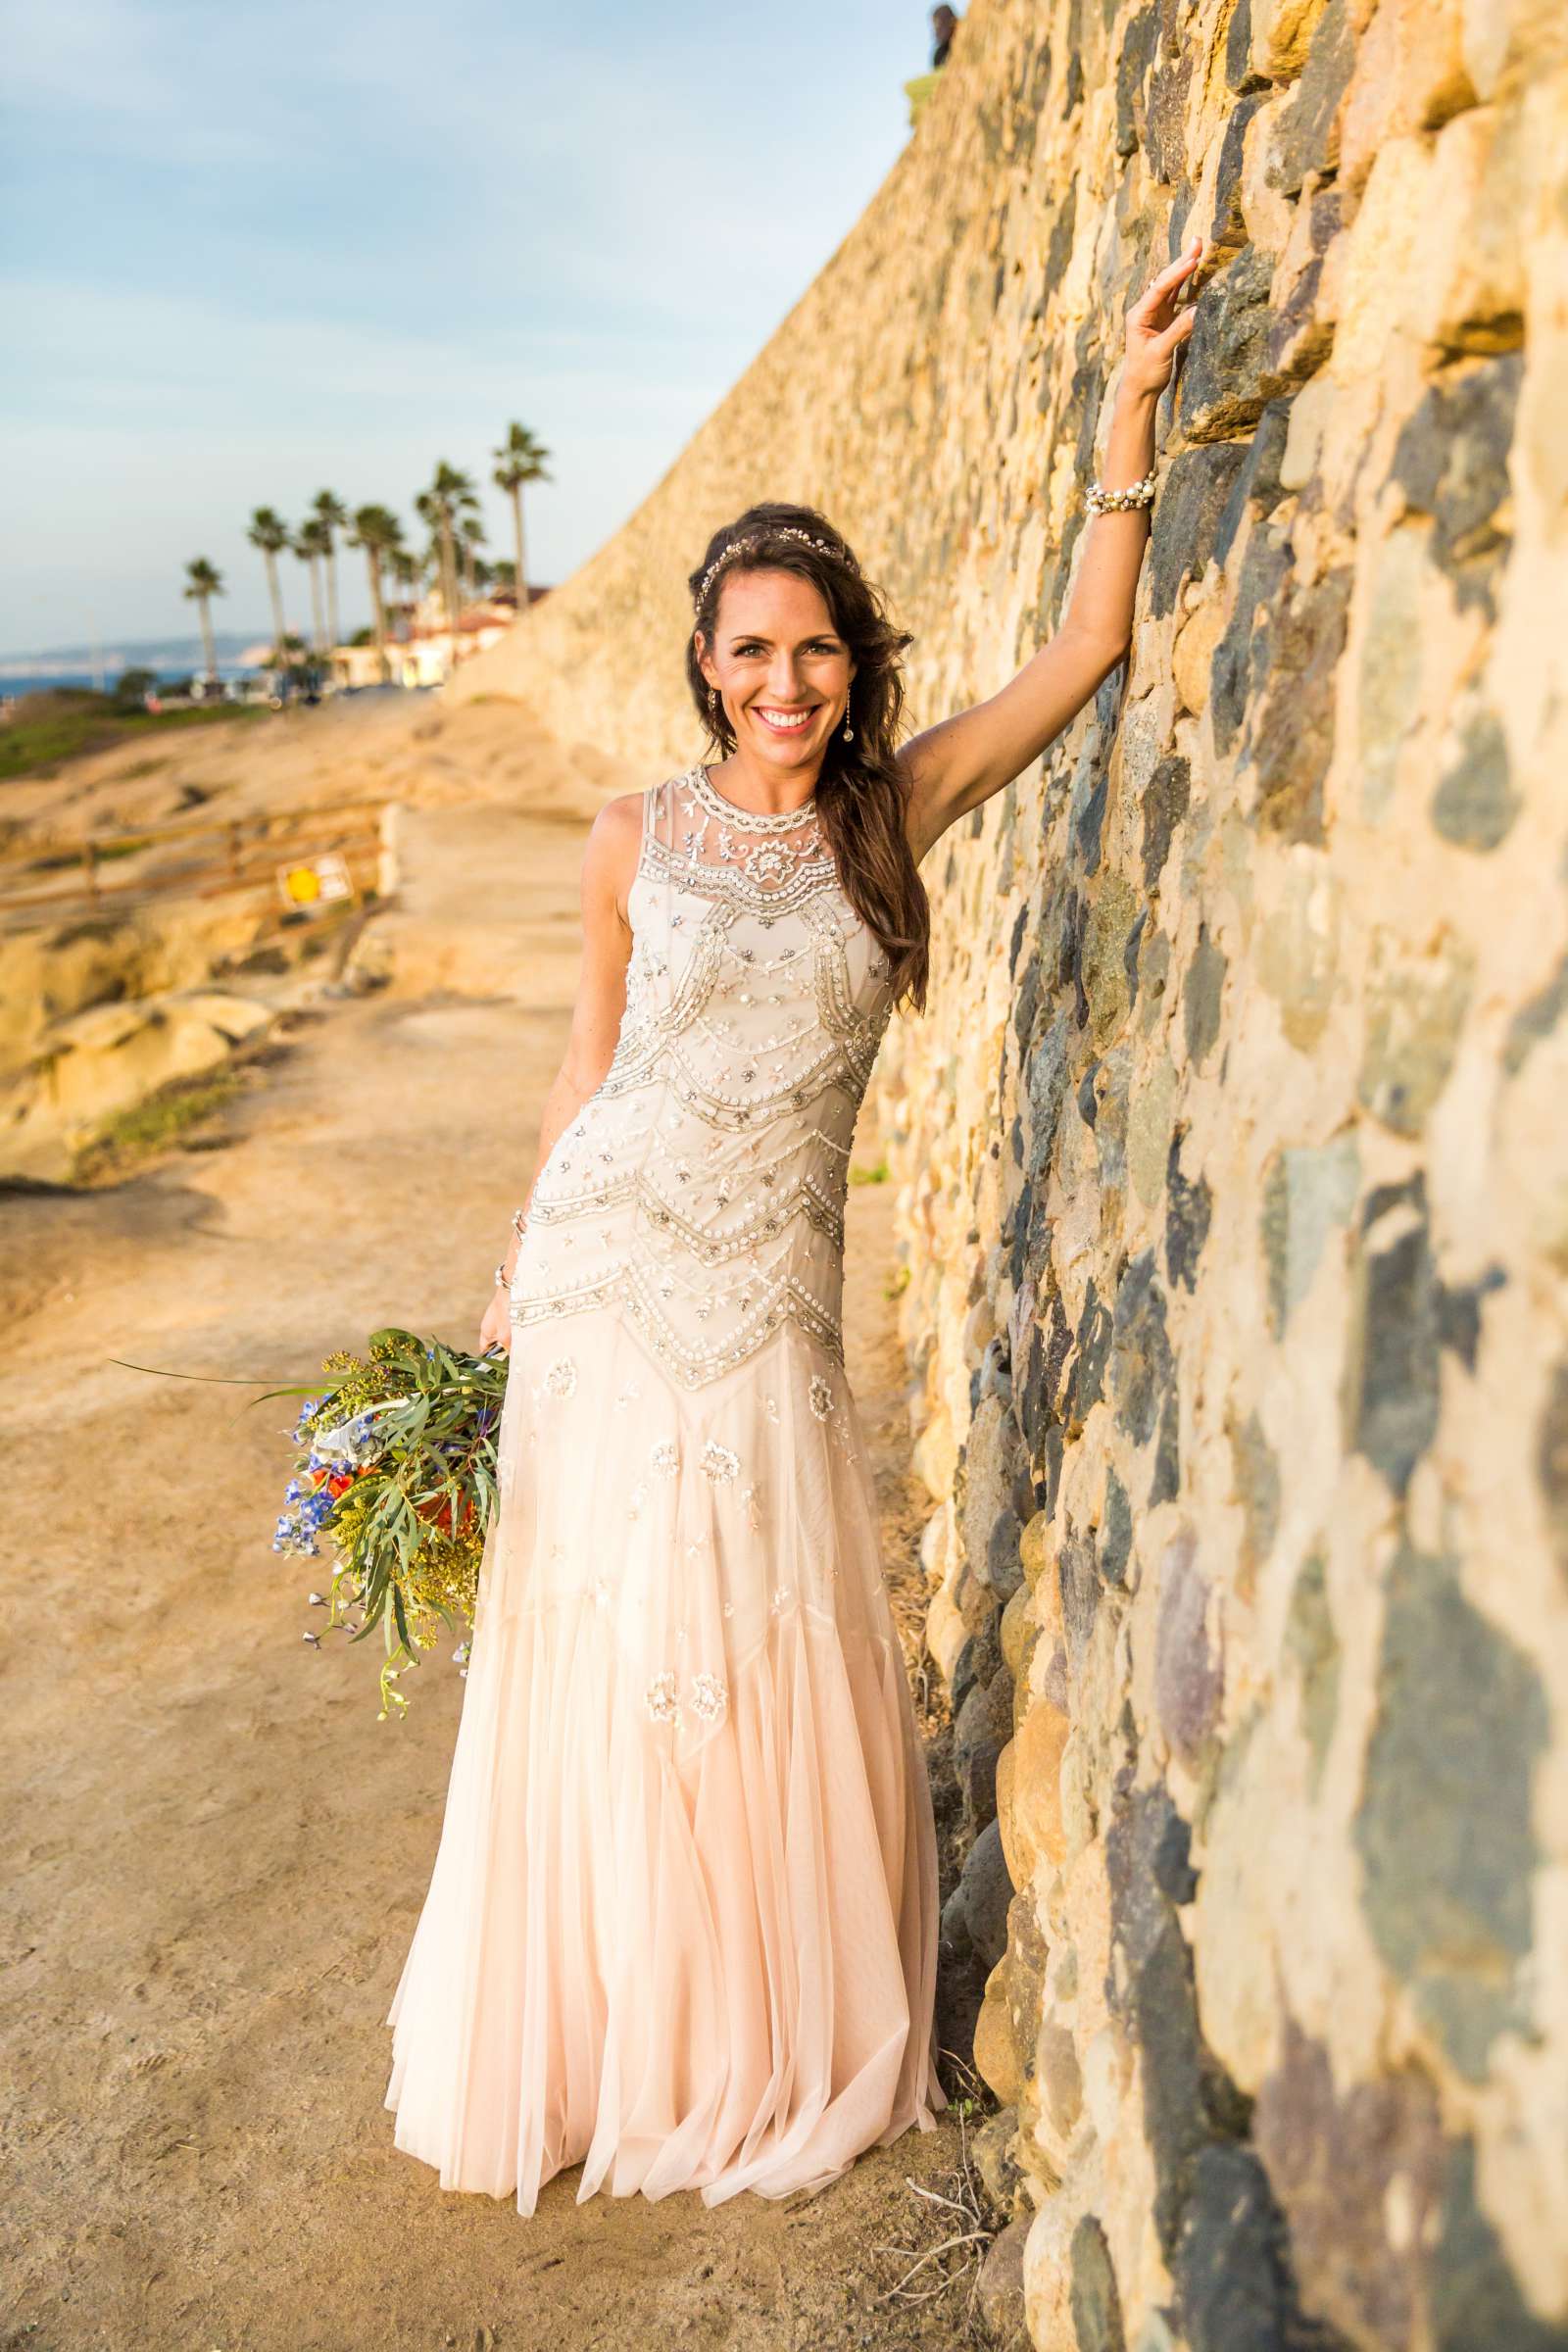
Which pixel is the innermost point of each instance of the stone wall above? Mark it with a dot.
(1234, 1151)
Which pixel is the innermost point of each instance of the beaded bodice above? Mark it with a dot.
(701, 1187)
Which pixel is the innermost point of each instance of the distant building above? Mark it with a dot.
(419, 645)
(420, 652)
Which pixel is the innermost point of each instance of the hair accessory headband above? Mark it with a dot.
(750, 546)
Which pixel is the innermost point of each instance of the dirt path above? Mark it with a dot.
(214, 1856)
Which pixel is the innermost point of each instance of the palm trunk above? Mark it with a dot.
(448, 589)
(523, 567)
(331, 598)
(279, 625)
(208, 646)
(316, 605)
(378, 611)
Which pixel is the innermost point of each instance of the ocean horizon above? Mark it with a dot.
(84, 662)
(15, 682)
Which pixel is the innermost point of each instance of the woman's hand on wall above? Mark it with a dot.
(1156, 328)
(1099, 610)
(961, 760)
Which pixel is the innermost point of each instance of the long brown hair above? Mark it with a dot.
(860, 792)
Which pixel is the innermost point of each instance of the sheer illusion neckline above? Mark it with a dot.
(745, 820)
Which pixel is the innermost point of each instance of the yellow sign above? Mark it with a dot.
(315, 882)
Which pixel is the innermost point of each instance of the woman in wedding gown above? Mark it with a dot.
(682, 1926)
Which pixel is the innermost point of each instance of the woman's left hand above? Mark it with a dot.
(495, 1329)
(1156, 328)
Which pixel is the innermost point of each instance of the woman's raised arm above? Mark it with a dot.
(961, 760)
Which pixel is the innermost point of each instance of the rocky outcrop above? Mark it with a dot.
(1233, 1157)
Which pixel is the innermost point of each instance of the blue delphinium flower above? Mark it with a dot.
(294, 1536)
(351, 1443)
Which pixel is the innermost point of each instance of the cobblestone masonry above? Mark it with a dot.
(1234, 1153)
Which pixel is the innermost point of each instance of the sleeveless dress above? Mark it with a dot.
(682, 1925)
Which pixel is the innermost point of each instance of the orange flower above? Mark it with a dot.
(438, 1512)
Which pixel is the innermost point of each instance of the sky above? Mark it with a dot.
(249, 253)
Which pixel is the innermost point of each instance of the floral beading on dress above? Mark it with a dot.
(702, 1186)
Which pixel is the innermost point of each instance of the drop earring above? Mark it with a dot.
(849, 731)
(713, 703)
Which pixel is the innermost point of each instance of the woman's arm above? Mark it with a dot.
(610, 861)
(962, 761)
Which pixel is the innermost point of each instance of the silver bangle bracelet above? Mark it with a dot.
(503, 1277)
(1100, 501)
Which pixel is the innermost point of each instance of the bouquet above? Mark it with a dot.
(396, 1469)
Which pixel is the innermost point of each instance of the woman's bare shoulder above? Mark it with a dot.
(620, 817)
(613, 848)
(618, 829)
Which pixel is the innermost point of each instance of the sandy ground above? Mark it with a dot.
(213, 1855)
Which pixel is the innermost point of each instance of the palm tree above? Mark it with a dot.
(408, 571)
(520, 459)
(470, 538)
(448, 502)
(433, 562)
(310, 545)
(331, 514)
(504, 574)
(378, 531)
(270, 532)
(203, 583)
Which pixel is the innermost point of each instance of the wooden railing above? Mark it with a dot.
(193, 857)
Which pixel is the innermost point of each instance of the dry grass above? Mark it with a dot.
(177, 1116)
(161, 1122)
(953, 2225)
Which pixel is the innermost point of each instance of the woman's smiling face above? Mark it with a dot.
(781, 666)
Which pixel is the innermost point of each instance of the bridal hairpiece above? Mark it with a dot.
(749, 546)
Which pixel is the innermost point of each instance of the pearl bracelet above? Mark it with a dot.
(520, 1226)
(1100, 501)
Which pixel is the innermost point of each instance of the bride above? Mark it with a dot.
(682, 1926)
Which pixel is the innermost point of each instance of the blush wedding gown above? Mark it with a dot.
(682, 1925)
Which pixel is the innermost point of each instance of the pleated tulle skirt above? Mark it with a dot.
(682, 1924)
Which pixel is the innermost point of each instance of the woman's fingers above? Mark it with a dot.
(1160, 288)
(1155, 304)
(1179, 327)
